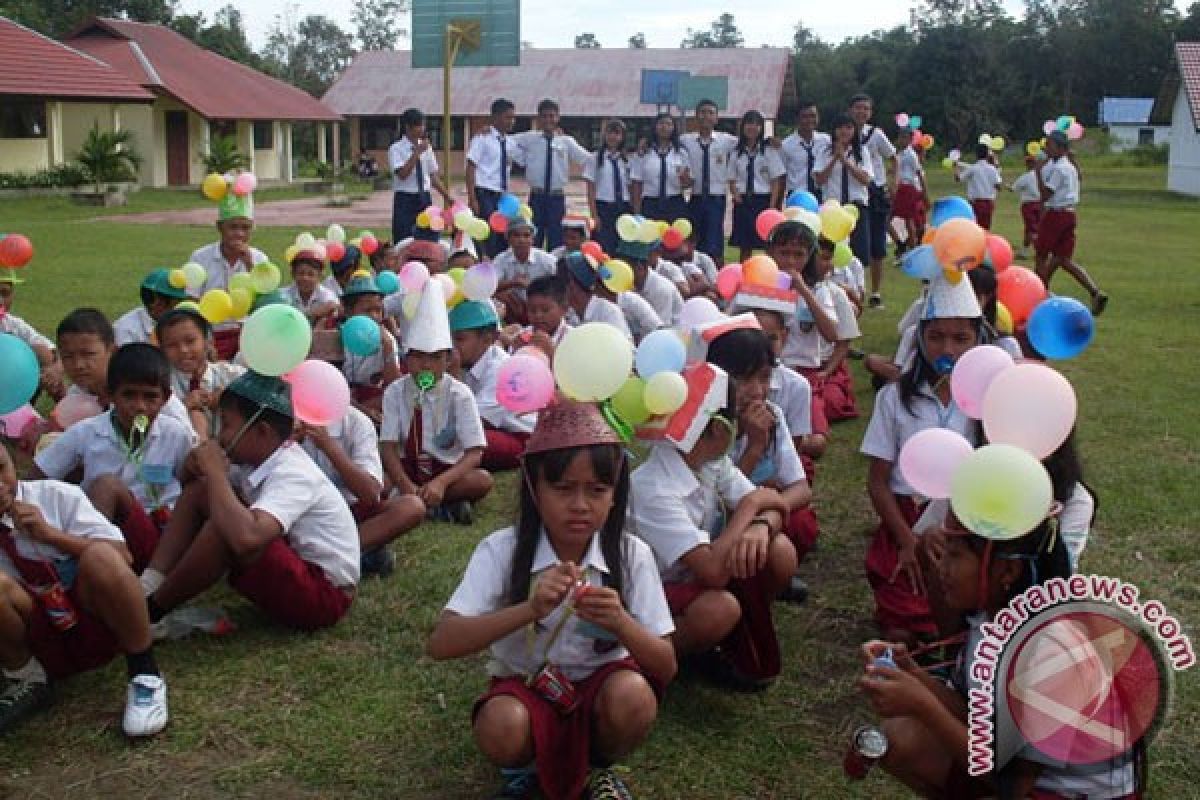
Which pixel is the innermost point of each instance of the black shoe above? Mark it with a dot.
(518, 785)
(603, 784)
(460, 513)
(796, 591)
(875, 301)
(381, 561)
(717, 668)
(1099, 303)
(856, 354)
(20, 700)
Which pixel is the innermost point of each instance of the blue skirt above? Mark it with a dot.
(745, 219)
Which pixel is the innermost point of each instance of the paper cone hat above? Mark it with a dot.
(232, 207)
(946, 300)
(429, 331)
(708, 393)
(569, 424)
(701, 336)
(752, 297)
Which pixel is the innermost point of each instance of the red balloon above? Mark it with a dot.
(1000, 252)
(728, 280)
(672, 239)
(369, 244)
(499, 222)
(767, 221)
(335, 251)
(15, 250)
(594, 251)
(1020, 290)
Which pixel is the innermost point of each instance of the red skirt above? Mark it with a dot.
(681, 595)
(838, 390)
(1056, 233)
(820, 422)
(802, 529)
(504, 449)
(897, 605)
(983, 209)
(1031, 215)
(908, 203)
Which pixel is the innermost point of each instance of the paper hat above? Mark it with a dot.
(752, 296)
(231, 206)
(159, 282)
(708, 394)
(521, 223)
(1059, 138)
(570, 424)
(429, 331)
(348, 261)
(362, 283)
(471, 315)
(271, 393)
(269, 299)
(581, 270)
(635, 250)
(946, 300)
(422, 250)
(702, 335)
(463, 244)
(577, 222)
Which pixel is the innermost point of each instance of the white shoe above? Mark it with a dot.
(145, 706)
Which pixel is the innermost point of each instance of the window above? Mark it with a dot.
(264, 135)
(433, 129)
(1145, 136)
(22, 119)
(218, 128)
(376, 133)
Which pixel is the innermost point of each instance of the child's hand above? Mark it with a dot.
(759, 422)
(198, 400)
(52, 381)
(602, 606)
(876, 648)
(895, 693)
(209, 459)
(541, 340)
(908, 566)
(319, 435)
(551, 588)
(431, 494)
(29, 520)
(749, 555)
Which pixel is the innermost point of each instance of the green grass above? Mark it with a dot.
(360, 712)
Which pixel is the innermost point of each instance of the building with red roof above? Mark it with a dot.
(1179, 102)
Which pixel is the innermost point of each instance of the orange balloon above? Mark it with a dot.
(1020, 290)
(928, 237)
(959, 244)
(761, 270)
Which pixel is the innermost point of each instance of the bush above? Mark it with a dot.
(1146, 155)
(60, 177)
(224, 156)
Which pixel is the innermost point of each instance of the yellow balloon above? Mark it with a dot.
(290, 253)
(842, 254)
(456, 275)
(997, 143)
(648, 232)
(216, 306)
(627, 227)
(242, 300)
(214, 187)
(1004, 320)
(194, 275)
(265, 277)
(663, 227)
(620, 276)
(592, 362)
(953, 276)
(526, 212)
(423, 219)
(242, 280)
(948, 162)
(683, 225)
(665, 393)
(852, 210)
(177, 279)
(836, 224)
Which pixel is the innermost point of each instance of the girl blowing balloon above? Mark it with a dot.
(573, 613)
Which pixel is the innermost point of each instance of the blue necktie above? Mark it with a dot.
(503, 163)
(808, 181)
(549, 160)
(662, 174)
(618, 190)
(704, 169)
(750, 173)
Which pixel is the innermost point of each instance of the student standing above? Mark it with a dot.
(661, 174)
(801, 149)
(756, 175)
(879, 150)
(488, 159)
(844, 171)
(414, 172)
(608, 189)
(547, 155)
(709, 151)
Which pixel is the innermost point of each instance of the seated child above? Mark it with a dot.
(368, 376)
(564, 599)
(285, 536)
(853, 280)
(668, 269)
(574, 234)
(584, 300)
(316, 300)
(42, 347)
(431, 254)
(518, 265)
(662, 295)
(432, 439)
(342, 270)
(69, 602)
(186, 339)
(720, 572)
(546, 305)
(131, 456)
(474, 328)
(698, 267)
(347, 451)
(158, 297)
(462, 252)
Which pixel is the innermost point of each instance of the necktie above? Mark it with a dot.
(503, 163)
(414, 447)
(662, 174)
(845, 183)
(808, 168)
(704, 170)
(751, 155)
(618, 190)
(549, 160)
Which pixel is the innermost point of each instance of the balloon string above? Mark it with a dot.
(616, 421)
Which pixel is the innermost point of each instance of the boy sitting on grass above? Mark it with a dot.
(158, 297)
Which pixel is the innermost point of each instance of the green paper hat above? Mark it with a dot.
(268, 392)
(10, 276)
(361, 284)
(268, 299)
(471, 315)
(232, 207)
(159, 282)
(639, 251)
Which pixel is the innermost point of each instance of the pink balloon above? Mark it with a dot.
(524, 383)
(1030, 406)
(902, 120)
(533, 351)
(784, 281)
(929, 459)
(728, 280)
(14, 424)
(1075, 131)
(413, 276)
(320, 394)
(244, 184)
(697, 311)
(75, 408)
(1049, 127)
(974, 373)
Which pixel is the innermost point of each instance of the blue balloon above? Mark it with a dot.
(660, 351)
(952, 207)
(19, 373)
(388, 282)
(1060, 327)
(360, 336)
(802, 199)
(921, 263)
(509, 205)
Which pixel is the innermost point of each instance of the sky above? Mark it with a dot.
(545, 23)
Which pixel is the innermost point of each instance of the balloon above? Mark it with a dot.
(456, 274)
(480, 230)
(15, 250)
(214, 187)
(525, 212)
(594, 251)
(498, 222)
(1030, 406)
(592, 361)
(422, 220)
(368, 244)
(627, 227)
(437, 223)
(1001, 492)
(449, 289)
(665, 393)
(14, 424)
(766, 222)
(620, 275)
(361, 336)
(648, 232)
(803, 199)
(413, 276)
(463, 219)
(928, 142)
(914, 121)
(1075, 131)
(1004, 321)
(242, 300)
(836, 222)
(929, 459)
(683, 225)
(955, 154)
(74, 408)
(1020, 289)
(1063, 123)
(728, 280)
(1048, 127)
(697, 311)
(335, 251)
(959, 244)
(921, 263)
(244, 184)
(927, 237)
(973, 374)
(216, 305)
(660, 351)
(629, 401)
(534, 351)
(842, 254)
(760, 270)
(1000, 252)
(275, 339)
(177, 279)
(388, 282)
(524, 383)
(266, 277)
(783, 281)
(948, 208)
(948, 162)
(320, 394)
(1033, 148)
(306, 241)
(194, 275)
(809, 219)
(480, 281)
(334, 233)
(997, 143)
(1060, 327)
(673, 239)
(851, 210)
(902, 120)
(241, 280)
(19, 373)
(509, 205)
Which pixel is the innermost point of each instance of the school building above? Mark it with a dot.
(590, 85)
(1178, 105)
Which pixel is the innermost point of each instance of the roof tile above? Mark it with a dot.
(47, 68)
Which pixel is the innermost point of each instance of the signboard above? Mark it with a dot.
(694, 88)
(660, 87)
(498, 21)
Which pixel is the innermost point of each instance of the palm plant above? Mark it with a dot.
(224, 156)
(109, 156)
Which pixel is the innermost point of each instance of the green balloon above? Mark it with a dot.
(275, 339)
(1001, 492)
(629, 402)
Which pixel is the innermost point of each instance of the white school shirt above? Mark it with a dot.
(796, 158)
(577, 650)
(663, 296)
(217, 375)
(805, 346)
(879, 147)
(481, 379)
(450, 423)
(1075, 522)
(908, 167)
(857, 192)
(647, 170)
(368, 370)
(703, 261)
(981, 179)
(12, 324)
(331, 283)
(675, 510)
(317, 523)
(399, 154)
(892, 425)
(539, 264)
(852, 276)
(720, 153)
(602, 176)
(531, 152)
(523, 338)
(1026, 188)
(355, 434)
(670, 270)
(780, 462)
(491, 172)
(768, 165)
(133, 327)
(640, 316)
(65, 507)
(601, 310)
(218, 270)
(321, 295)
(1062, 179)
(792, 392)
(93, 443)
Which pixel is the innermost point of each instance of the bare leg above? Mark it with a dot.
(707, 621)
(473, 486)
(189, 514)
(111, 498)
(624, 712)
(15, 608)
(915, 757)
(781, 563)
(504, 732)
(398, 516)
(203, 563)
(109, 590)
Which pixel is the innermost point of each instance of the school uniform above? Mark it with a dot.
(609, 173)
(504, 431)
(793, 394)
(586, 654)
(411, 194)
(538, 264)
(136, 326)
(753, 173)
(1056, 232)
(1030, 198)
(909, 202)
(879, 148)
(843, 186)
(640, 316)
(218, 273)
(658, 172)
(436, 427)
(335, 288)
(90, 643)
(14, 325)
(217, 375)
(709, 162)
(547, 158)
(671, 271)
(807, 351)
(800, 158)
(355, 434)
(365, 373)
(981, 179)
(492, 153)
(306, 577)
(600, 310)
(662, 295)
(852, 277)
(707, 267)
(321, 295)
(1075, 522)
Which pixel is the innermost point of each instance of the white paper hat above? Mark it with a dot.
(463, 244)
(708, 393)
(753, 297)
(946, 300)
(701, 336)
(429, 331)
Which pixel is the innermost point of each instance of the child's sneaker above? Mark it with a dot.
(22, 699)
(518, 784)
(875, 301)
(603, 784)
(461, 513)
(145, 706)
(381, 561)
(1099, 303)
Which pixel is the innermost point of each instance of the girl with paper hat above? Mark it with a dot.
(43, 348)
(432, 439)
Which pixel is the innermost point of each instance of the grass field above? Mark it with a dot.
(360, 712)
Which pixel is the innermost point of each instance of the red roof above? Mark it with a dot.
(1188, 56)
(41, 67)
(212, 85)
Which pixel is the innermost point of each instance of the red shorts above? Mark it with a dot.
(681, 595)
(504, 449)
(802, 530)
(897, 605)
(908, 203)
(226, 342)
(142, 532)
(1031, 215)
(983, 211)
(838, 391)
(90, 644)
(1056, 233)
(292, 591)
(410, 468)
(820, 419)
(365, 511)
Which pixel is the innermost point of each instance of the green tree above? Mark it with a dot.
(226, 35)
(586, 41)
(377, 23)
(109, 156)
(57, 18)
(638, 41)
(309, 54)
(723, 33)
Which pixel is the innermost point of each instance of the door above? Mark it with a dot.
(177, 149)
